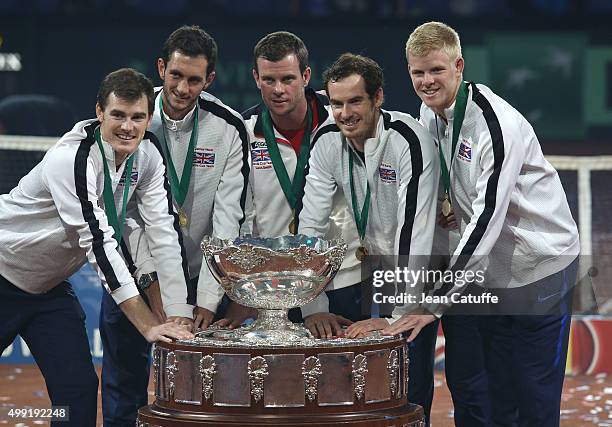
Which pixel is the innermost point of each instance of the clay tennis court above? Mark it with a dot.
(586, 400)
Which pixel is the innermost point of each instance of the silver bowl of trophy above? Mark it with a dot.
(273, 275)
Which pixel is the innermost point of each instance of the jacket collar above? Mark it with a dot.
(320, 101)
(185, 124)
(470, 110)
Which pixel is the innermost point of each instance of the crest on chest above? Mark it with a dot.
(388, 175)
(465, 150)
(133, 179)
(260, 157)
(204, 158)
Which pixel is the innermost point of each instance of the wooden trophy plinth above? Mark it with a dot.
(351, 384)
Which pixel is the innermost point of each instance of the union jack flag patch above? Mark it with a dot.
(387, 175)
(465, 152)
(260, 156)
(133, 178)
(204, 158)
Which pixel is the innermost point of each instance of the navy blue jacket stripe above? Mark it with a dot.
(412, 189)
(127, 256)
(300, 195)
(482, 223)
(80, 181)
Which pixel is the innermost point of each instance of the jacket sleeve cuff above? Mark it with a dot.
(395, 316)
(208, 299)
(207, 302)
(400, 310)
(180, 310)
(308, 231)
(436, 309)
(146, 267)
(319, 305)
(125, 292)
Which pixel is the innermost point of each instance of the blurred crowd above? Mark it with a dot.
(316, 9)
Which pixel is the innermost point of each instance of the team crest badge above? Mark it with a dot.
(387, 174)
(260, 157)
(133, 179)
(465, 151)
(204, 158)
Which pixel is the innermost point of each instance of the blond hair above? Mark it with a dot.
(432, 36)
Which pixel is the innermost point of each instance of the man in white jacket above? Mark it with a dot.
(515, 226)
(70, 209)
(282, 129)
(385, 164)
(205, 148)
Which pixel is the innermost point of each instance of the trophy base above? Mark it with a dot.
(349, 382)
(281, 337)
(410, 415)
(272, 328)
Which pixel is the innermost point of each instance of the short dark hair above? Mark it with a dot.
(275, 46)
(348, 64)
(127, 84)
(192, 41)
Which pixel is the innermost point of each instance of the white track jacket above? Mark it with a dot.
(269, 213)
(402, 169)
(512, 210)
(53, 221)
(215, 201)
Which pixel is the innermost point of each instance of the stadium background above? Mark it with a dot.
(552, 59)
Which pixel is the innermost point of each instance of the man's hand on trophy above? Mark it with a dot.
(407, 322)
(166, 332)
(326, 325)
(184, 322)
(202, 318)
(235, 315)
(363, 327)
(153, 295)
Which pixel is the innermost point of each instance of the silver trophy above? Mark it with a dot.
(272, 275)
(273, 372)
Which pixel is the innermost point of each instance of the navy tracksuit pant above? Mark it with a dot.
(526, 352)
(53, 326)
(464, 368)
(507, 369)
(125, 365)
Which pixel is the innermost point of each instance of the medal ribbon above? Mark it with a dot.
(107, 193)
(180, 188)
(361, 219)
(458, 114)
(290, 189)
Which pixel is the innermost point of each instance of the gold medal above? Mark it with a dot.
(183, 220)
(361, 253)
(292, 227)
(447, 208)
